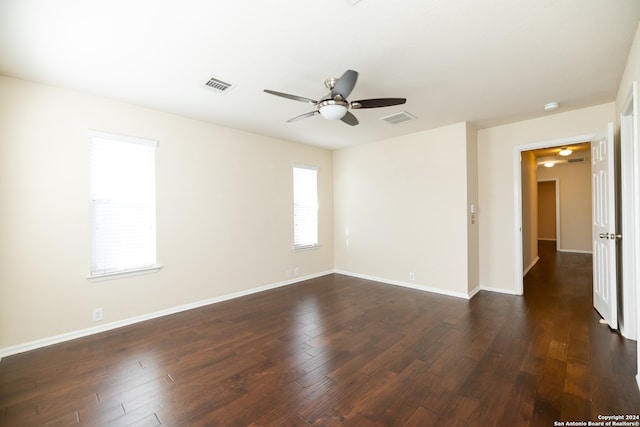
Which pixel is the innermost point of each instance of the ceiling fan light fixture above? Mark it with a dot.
(332, 110)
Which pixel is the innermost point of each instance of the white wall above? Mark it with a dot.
(224, 212)
(575, 204)
(401, 207)
(497, 180)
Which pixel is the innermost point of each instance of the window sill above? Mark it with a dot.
(305, 248)
(122, 274)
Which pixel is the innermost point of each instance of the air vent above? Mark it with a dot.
(400, 117)
(218, 85)
(576, 160)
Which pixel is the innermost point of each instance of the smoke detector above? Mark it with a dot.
(551, 106)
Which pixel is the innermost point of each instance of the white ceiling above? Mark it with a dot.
(487, 62)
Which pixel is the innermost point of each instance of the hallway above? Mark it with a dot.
(589, 369)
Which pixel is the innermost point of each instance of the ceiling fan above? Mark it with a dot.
(335, 105)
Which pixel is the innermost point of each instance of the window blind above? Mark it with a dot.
(305, 207)
(123, 204)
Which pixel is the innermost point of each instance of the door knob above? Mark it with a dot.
(604, 235)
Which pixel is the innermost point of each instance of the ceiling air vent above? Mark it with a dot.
(218, 85)
(576, 160)
(400, 117)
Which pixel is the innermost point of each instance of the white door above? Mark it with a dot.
(604, 227)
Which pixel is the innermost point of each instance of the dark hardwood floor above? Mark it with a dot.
(343, 351)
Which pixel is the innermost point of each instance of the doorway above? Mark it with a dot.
(629, 213)
(549, 211)
(519, 152)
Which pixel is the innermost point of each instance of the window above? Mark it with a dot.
(305, 207)
(123, 204)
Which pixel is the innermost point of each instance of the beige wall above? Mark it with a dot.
(224, 212)
(575, 204)
(529, 188)
(392, 213)
(473, 235)
(401, 206)
(497, 181)
(547, 210)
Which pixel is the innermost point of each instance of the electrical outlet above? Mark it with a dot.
(97, 314)
(296, 271)
(412, 276)
(289, 272)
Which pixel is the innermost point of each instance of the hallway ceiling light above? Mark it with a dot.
(565, 151)
(549, 164)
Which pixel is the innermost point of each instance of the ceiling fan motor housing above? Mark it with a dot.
(330, 83)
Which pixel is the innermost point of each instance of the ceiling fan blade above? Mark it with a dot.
(345, 84)
(350, 119)
(294, 97)
(377, 102)
(303, 116)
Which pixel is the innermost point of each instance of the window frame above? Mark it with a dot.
(316, 243)
(106, 273)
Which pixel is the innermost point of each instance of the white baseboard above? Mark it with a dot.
(533, 263)
(575, 251)
(474, 292)
(638, 380)
(406, 284)
(33, 345)
(499, 290)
